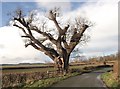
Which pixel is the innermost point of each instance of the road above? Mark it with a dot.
(91, 79)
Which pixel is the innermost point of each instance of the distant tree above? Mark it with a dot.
(62, 39)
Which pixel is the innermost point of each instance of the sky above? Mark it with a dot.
(104, 33)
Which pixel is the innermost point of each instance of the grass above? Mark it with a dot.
(75, 70)
(49, 82)
(23, 65)
(110, 80)
(27, 70)
(31, 70)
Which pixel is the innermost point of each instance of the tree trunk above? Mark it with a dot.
(66, 63)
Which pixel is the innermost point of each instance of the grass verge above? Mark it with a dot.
(49, 82)
(110, 81)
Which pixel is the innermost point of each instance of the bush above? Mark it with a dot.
(14, 79)
(75, 70)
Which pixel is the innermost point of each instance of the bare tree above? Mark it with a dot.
(64, 40)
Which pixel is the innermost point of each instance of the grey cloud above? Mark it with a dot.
(2, 46)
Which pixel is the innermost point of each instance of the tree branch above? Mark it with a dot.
(48, 51)
(49, 36)
(21, 29)
(76, 37)
(52, 16)
(25, 36)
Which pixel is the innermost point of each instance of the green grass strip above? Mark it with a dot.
(110, 80)
(50, 81)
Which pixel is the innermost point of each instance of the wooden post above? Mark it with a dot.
(115, 69)
(118, 59)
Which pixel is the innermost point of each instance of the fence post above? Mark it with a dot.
(116, 69)
(48, 73)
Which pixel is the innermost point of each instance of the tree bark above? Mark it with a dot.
(66, 62)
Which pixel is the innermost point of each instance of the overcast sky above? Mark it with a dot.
(104, 34)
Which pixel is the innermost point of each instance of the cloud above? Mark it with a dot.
(50, 4)
(0, 14)
(35, 0)
(13, 50)
(104, 37)
(104, 34)
(1, 46)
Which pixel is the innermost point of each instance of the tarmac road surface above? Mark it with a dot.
(89, 80)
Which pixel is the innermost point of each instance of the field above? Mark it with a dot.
(27, 68)
(9, 69)
(20, 75)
